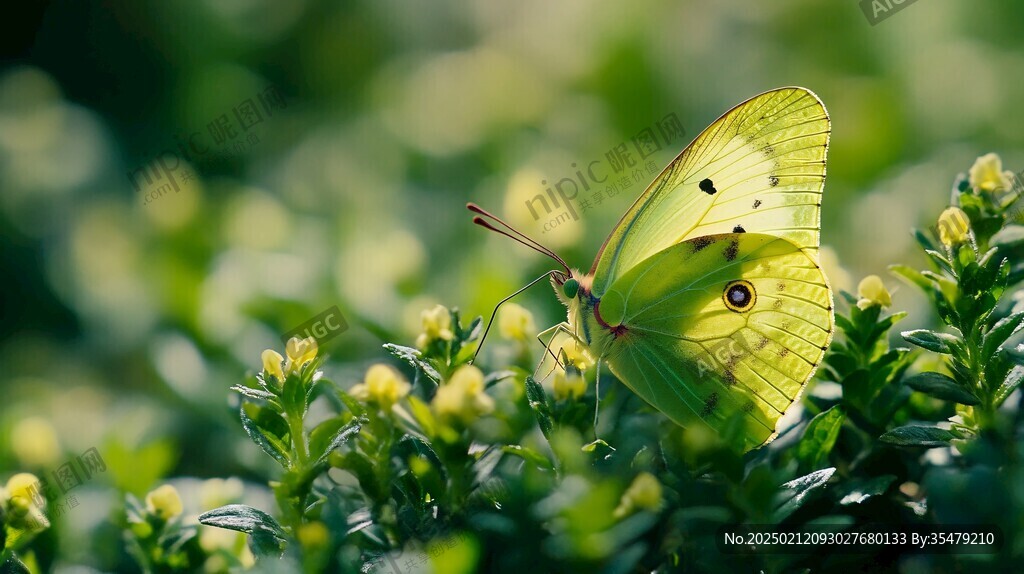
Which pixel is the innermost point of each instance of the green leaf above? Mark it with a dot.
(254, 393)
(914, 435)
(410, 445)
(352, 404)
(924, 241)
(320, 437)
(415, 359)
(1010, 383)
(859, 490)
(337, 438)
(538, 400)
(819, 438)
(266, 535)
(1016, 354)
(271, 444)
(795, 493)
(941, 387)
(930, 340)
(913, 276)
(363, 469)
(940, 260)
(529, 455)
(1000, 332)
(14, 566)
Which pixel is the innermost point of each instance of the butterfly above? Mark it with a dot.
(707, 299)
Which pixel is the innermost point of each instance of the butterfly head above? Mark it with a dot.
(570, 288)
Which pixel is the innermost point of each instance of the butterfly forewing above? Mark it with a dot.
(758, 168)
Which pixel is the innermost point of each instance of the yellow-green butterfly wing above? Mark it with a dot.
(736, 214)
(761, 166)
(721, 327)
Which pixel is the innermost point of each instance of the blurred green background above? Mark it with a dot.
(127, 313)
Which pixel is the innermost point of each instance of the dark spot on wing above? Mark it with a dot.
(739, 229)
(701, 243)
(709, 405)
(707, 186)
(757, 203)
(773, 181)
(762, 343)
(777, 304)
(780, 286)
(783, 352)
(749, 407)
(784, 326)
(730, 378)
(768, 150)
(732, 250)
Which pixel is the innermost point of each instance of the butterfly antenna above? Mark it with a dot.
(498, 306)
(513, 233)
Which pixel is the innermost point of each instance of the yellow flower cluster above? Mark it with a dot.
(299, 352)
(462, 398)
(437, 325)
(383, 386)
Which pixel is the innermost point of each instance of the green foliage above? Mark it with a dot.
(474, 471)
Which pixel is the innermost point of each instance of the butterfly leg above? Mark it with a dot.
(559, 328)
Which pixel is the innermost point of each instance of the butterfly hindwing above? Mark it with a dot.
(720, 327)
(758, 168)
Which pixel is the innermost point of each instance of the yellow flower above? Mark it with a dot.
(516, 323)
(383, 385)
(34, 442)
(987, 174)
(314, 535)
(437, 324)
(462, 397)
(164, 502)
(24, 486)
(873, 292)
(272, 363)
(300, 352)
(577, 355)
(954, 227)
(22, 492)
(643, 494)
(569, 384)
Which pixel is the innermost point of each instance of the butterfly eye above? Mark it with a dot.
(571, 287)
(739, 296)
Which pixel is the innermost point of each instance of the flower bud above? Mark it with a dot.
(872, 291)
(272, 364)
(164, 502)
